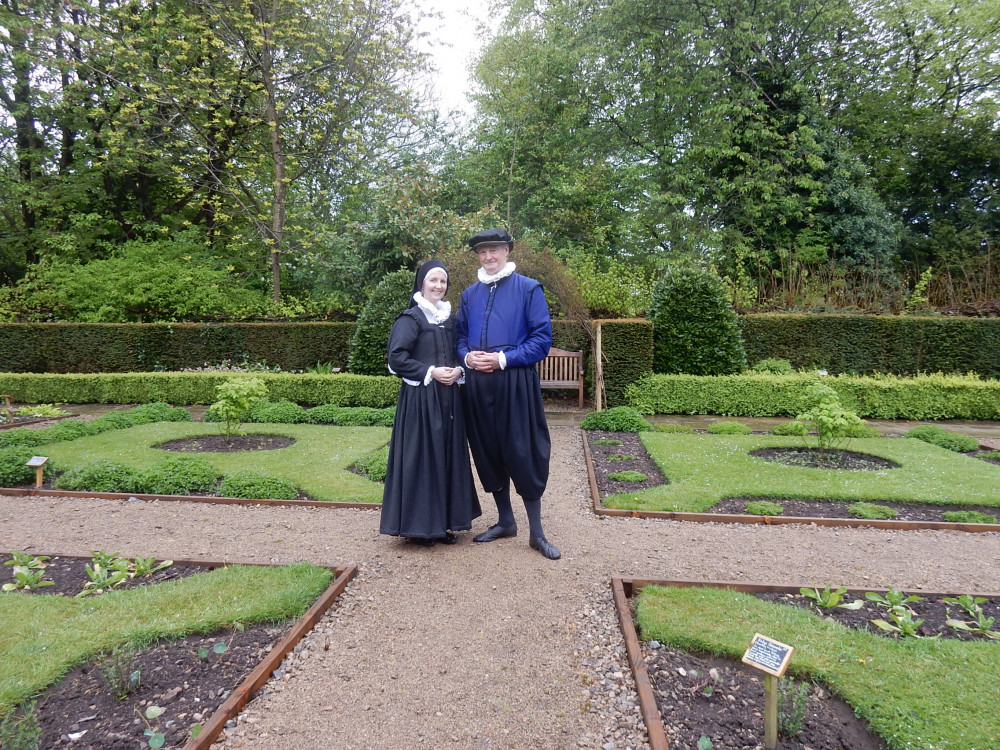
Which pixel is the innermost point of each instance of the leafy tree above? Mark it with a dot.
(371, 335)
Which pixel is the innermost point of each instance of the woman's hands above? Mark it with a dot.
(446, 375)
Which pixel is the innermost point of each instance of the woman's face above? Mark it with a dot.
(435, 285)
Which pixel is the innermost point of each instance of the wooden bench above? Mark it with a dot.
(562, 369)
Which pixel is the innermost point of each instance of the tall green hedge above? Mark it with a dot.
(865, 344)
(628, 352)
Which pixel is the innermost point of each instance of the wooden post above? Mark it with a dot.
(38, 463)
(8, 408)
(598, 371)
(770, 712)
(771, 657)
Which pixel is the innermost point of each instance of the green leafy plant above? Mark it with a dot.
(830, 597)
(939, 436)
(158, 411)
(794, 427)
(792, 698)
(628, 476)
(182, 475)
(979, 623)
(120, 671)
(235, 399)
(917, 299)
(763, 508)
(28, 571)
(892, 599)
(41, 410)
(27, 560)
(21, 730)
(704, 743)
(871, 511)
(322, 368)
(102, 475)
(151, 717)
(607, 441)
(282, 412)
(255, 485)
(374, 465)
(142, 567)
(700, 681)
(617, 419)
(773, 364)
(107, 570)
(729, 428)
(371, 334)
(620, 457)
(903, 623)
(12, 466)
(968, 516)
(217, 648)
(826, 417)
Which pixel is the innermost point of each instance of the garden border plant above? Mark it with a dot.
(626, 589)
(213, 725)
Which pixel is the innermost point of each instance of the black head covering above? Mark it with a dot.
(491, 237)
(418, 281)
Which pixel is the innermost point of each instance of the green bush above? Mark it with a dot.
(871, 511)
(968, 516)
(628, 476)
(614, 457)
(729, 428)
(764, 508)
(794, 427)
(695, 330)
(374, 465)
(159, 411)
(775, 365)
(673, 427)
(939, 436)
(351, 416)
(860, 430)
(182, 475)
(70, 429)
(22, 436)
(256, 486)
(12, 466)
(617, 419)
(100, 476)
(607, 441)
(113, 420)
(371, 335)
(235, 399)
(284, 412)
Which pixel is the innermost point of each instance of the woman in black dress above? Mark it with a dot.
(429, 491)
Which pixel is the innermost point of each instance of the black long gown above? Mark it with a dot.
(428, 485)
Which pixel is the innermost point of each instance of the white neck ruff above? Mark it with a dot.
(503, 273)
(434, 313)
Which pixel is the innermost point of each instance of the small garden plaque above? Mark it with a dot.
(768, 655)
(38, 464)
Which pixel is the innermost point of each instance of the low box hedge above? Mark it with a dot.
(772, 395)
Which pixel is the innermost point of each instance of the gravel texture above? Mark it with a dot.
(483, 646)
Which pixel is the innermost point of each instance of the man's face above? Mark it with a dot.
(493, 258)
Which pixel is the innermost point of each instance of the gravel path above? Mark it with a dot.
(483, 646)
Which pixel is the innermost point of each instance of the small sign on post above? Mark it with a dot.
(771, 657)
(38, 464)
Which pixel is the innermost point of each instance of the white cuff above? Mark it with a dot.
(503, 360)
(427, 377)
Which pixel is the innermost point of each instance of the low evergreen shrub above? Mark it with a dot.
(617, 419)
(22, 436)
(729, 428)
(871, 511)
(102, 475)
(615, 457)
(374, 465)
(764, 508)
(284, 412)
(12, 466)
(862, 430)
(939, 436)
(159, 411)
(968, 516)
(628, 476)
(773, 364)
(351, 416)
(793, 428)
(182, 475)
(255, 486)
(70, 429)
(113, 420)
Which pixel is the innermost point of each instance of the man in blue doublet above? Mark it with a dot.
(503, 330)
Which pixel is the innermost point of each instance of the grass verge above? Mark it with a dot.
(915, 692)
(44, 637)
(704, 469)
(317, 462)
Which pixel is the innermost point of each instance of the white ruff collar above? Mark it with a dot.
(503, 273)
(434, 314)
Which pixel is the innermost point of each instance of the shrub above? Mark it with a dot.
(255, 486)
(617, 419)
(325, 414)
(773, 364)
(673, 428)
(22, 436)
(628, 476)
(607, 441)
(871, 511)
(102, 475)
(374, 465)
(968, 516)
(790, 428)
(862, 430)
(729, 428)
(284, 412)
(113, 420)
(831, 421)
(621, 457)
(371, 334)
(182, 475)
(159, 411)
(351, 416)
(939, 436)
(695, 330)
(41, 410)
(71, 429)
(236, 397)
(12, 466)
(764, 508)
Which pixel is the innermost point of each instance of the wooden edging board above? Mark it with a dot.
(624, 588)
(35, 492)
(241, 695)
(36, 420)
(670, 515)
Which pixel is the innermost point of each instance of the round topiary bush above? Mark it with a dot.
(939, 436)
(371, 334)
(182, 475)
(617, 419)
(255, 486)
(793, 428)
(695, 329)
(764, 508)
(729, 428)
(279, 412)
(871, 511)
(100, 476)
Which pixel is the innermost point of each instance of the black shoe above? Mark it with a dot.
(496, 532)
(448, 538)
(423, 542)
(547, 548)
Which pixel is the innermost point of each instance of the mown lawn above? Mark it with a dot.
(704, 469)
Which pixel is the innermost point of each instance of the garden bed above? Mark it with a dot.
(196, 681)
(630, 454)
(672, 682)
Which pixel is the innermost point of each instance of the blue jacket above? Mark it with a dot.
(510, 315)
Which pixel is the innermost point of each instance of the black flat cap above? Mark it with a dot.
(491, 237)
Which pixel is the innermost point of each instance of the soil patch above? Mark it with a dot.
(639, 460)
(816, 458)
(81, 711)
(227, 443)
